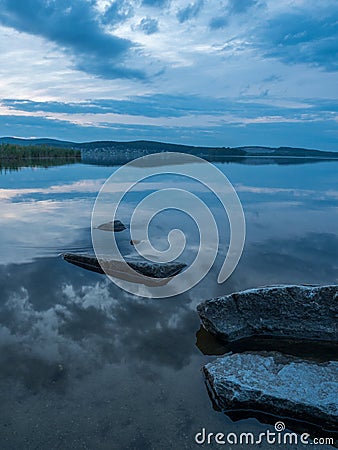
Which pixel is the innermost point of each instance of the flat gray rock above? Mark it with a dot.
(121, 269)
(276, 384)
(299, 312)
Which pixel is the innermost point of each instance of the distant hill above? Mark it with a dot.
(139, 148)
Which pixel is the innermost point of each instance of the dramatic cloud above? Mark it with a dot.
(76, 28)
(220, 72)
(309, 37)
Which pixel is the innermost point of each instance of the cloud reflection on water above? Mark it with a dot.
(82, 361)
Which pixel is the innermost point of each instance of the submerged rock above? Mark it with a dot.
(122, 269)
(276, 384)
(299, 312)
(115, 225)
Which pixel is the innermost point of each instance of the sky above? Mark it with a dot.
(206, 72)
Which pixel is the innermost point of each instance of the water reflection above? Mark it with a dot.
(83, 363)
(314, 350)
(102, 157)
(14, 165)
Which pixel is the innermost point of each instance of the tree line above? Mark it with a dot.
(14, 151)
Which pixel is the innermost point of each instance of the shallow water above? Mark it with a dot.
(86, 365)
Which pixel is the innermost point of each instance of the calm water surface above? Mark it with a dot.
(86, 365)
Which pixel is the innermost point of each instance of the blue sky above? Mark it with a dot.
(216, 72)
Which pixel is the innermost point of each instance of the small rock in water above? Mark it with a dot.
(115, 225)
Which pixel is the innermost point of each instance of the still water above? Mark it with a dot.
(84, 364)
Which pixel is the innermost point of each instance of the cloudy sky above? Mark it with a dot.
(211, 72)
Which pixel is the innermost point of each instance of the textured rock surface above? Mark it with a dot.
(276, 384)
(114, 268)
(299, 312)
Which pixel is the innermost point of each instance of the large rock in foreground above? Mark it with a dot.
(276, 384)
(298, 312)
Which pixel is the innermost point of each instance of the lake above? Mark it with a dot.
(85, 364)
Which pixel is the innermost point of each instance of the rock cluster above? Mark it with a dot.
(272, 382)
